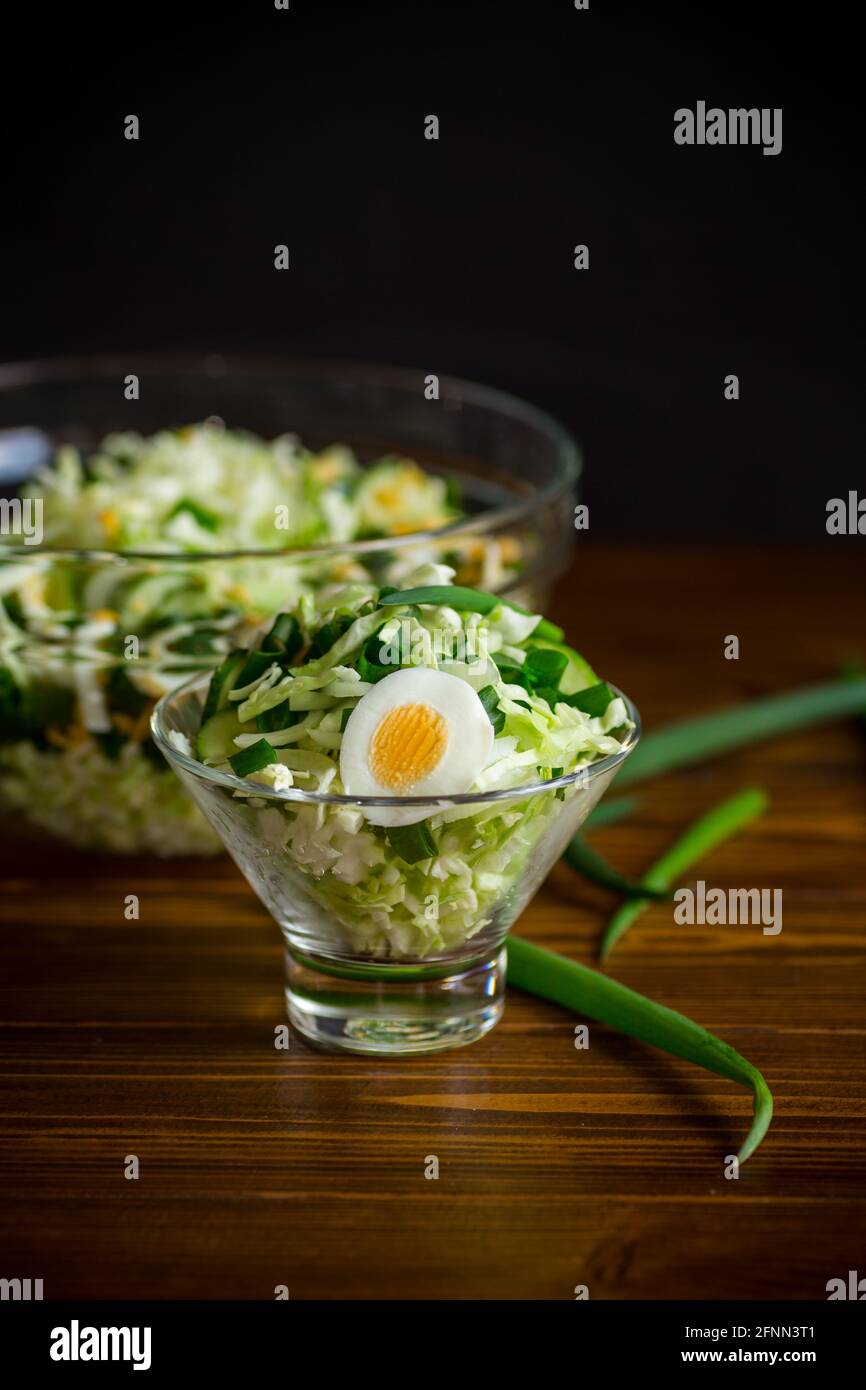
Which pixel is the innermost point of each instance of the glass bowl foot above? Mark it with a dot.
(394, 1010)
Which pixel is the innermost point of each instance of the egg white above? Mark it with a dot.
(469, 740)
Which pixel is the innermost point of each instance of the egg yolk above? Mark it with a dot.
(407, 745)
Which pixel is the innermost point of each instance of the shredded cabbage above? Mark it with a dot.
(122, 805)
(206, 488)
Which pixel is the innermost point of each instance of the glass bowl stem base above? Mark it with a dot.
(394, 1010)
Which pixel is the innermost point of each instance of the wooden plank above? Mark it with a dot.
(557, 1167)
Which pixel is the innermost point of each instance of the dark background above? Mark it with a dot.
(306, 127)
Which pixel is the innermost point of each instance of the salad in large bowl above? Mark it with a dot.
(87, 645)
(157, 552)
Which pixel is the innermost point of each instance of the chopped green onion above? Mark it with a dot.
(412, 842)
(591, 865)
(285, 636)
(256, 664)
(512, 674)
(278, 717)
(452, 595)
(253, 759)
(208, 520)
(370, 667)
(690, 740)
(490, 701)
(545, 666)
(466, 601)
(198, 643)
(703, 835)
(592, 701)
(576, 987)
(539, 675)
(610, 812)
(331, 632)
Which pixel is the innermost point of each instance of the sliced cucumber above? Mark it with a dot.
(253, 759)
(577, 675)
(222, 683)
(215, 739)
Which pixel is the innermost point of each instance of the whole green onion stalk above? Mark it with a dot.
(691, 740)
(592, 866)
(709, 830)
(610, 812)
(577, 987)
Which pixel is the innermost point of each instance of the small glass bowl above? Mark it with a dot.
(517, 468)
(396, 967)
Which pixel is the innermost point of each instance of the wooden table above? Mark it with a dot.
(557, 1167)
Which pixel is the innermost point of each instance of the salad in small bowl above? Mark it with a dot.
(395, 770)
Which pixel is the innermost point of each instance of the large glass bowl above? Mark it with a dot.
(382, 956)
(103, 786)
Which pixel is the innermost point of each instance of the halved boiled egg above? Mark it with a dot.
(418, 732)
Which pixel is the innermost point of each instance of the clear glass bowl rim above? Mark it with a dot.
(586, 774)
(93, 368)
